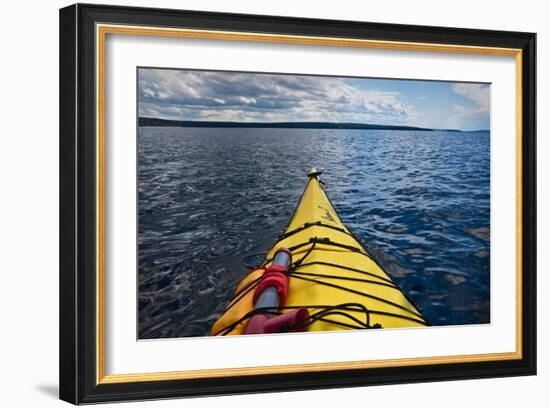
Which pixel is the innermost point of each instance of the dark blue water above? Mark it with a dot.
(211, 199)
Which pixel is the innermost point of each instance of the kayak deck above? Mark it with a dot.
(332, 275)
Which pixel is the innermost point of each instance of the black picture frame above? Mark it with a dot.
(78, 308)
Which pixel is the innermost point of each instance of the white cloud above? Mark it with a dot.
(478, 93)
(473, 111)
(208, 95)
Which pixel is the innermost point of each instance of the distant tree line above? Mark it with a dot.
(143, 121)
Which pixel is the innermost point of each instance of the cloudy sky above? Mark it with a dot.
(250, 97)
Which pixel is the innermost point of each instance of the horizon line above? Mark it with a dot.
(320, 123)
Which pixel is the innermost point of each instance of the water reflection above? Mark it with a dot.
(211, 200)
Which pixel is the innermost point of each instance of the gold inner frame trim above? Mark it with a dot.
(101, 33)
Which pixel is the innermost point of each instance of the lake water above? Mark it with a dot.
(212, 200)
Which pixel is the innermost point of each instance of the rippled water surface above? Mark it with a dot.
(212, 199)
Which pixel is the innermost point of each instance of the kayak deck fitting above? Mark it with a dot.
(332, 281)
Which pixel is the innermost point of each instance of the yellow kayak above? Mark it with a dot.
(331, 281)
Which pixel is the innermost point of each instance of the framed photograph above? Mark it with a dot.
(258, 203)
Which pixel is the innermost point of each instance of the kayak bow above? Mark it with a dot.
(331, 275)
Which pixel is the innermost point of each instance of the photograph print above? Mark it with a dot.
(276, 203)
